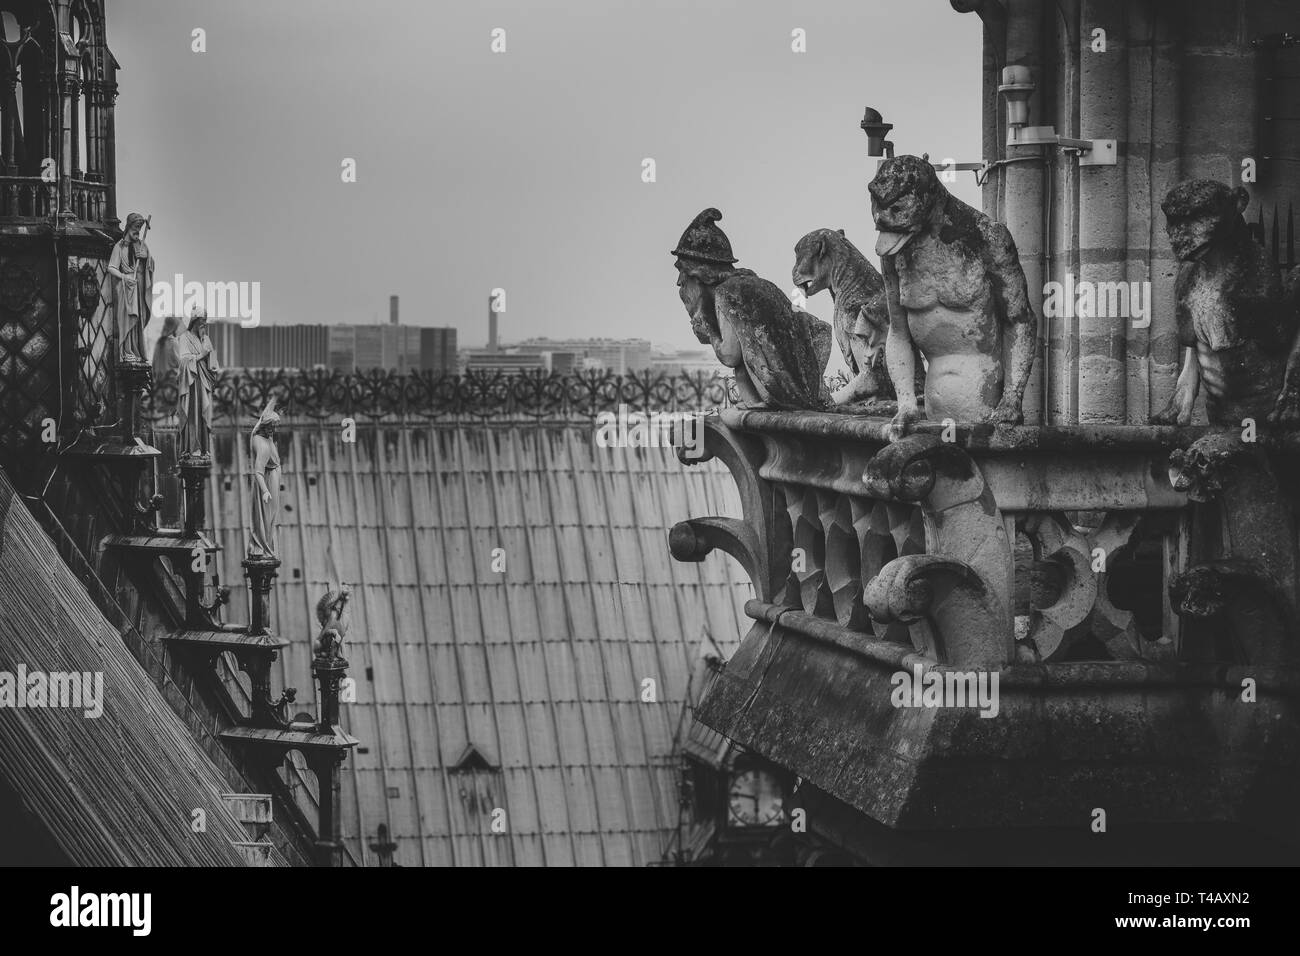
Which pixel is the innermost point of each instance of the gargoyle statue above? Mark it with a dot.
(955, 288)
(1237, 319)
(779, 355)
(825, 260)
(334, 626)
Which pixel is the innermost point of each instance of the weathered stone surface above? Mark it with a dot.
(1237, 320)
(955, 288)
(1046, 760)
(779, 355)
(826, 260)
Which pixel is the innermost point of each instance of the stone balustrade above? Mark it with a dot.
(1118, 582)
(31, 197)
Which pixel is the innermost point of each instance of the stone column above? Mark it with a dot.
(69, 88)
(328, 779)
(1103, 213)
(261, 572)
(195, 470)
(329, 673)
(94, 98)
(108, 90)
(8, 89)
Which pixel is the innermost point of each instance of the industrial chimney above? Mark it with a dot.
(492, 327)
(392, 310)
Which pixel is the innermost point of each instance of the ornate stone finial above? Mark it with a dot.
(964, 267)
(778, 354)
(1237, 319)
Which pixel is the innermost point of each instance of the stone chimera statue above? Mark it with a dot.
(779, 355)
(955, 288)
(826, 260)
(1237, 321)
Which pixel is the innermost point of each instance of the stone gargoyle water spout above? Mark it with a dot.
(779, 355)
(825, 260)
(955, 289)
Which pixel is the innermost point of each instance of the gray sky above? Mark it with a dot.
(519, 170)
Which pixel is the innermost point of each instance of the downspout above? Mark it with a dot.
(994, 18)
(1023, 182)
(1063, 239)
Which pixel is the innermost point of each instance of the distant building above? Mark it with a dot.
(613, 355)
(509, 362)
(689, 361)
(562, 361)
(346, 348)
(270, 346)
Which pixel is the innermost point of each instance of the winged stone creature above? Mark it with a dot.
(779, 354)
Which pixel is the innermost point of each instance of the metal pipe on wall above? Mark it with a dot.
(1022, 189)
(1062, 347)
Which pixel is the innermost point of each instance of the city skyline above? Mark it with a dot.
(254, 193)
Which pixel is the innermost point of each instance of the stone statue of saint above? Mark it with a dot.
(130, 270)
(166, 357)
(197, 372)
(266, 483)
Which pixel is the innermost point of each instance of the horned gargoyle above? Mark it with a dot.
(955, 289)
(826, 260)
(779, 355)
(1237, 319)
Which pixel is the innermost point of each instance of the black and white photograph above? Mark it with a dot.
(629, 434)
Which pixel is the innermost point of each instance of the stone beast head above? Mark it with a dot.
(1201, 212)
(904, 195)
(813, 260)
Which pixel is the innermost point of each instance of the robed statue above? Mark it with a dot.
(266, 483)
(197, 369)
(166, 357)
(130, 280)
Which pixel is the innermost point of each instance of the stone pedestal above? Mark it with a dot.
(195, 471)
(260, 570)
(132, 380)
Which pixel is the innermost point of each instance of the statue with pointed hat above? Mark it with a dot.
(779, 355)
(265, 482)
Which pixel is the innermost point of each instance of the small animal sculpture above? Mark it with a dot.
(826, 260)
